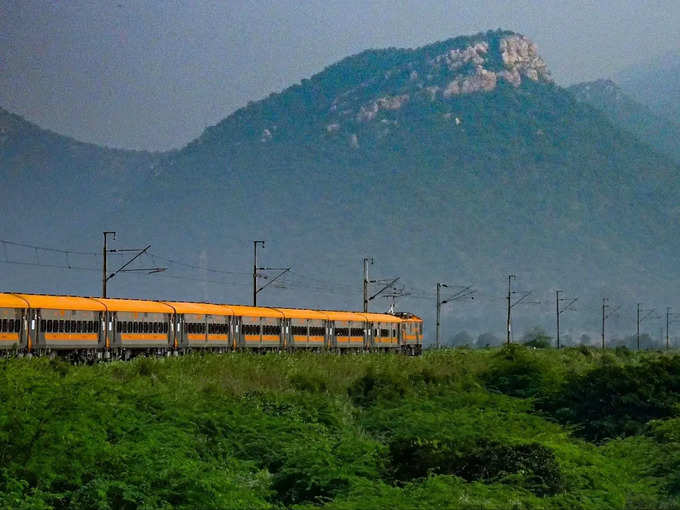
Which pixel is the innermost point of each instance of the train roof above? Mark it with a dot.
(301, 313)
(255, 311)
(382, 317)
(135, 305)
(200, 308)
(346, 316)
(12, 301)
(61, 302)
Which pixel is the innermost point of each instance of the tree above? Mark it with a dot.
(537, 337)
(463, 338)
(488, 340)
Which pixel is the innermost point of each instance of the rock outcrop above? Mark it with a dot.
(476, 65)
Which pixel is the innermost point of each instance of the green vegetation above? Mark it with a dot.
(498, 428)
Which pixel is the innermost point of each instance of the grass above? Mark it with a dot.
(495, 428)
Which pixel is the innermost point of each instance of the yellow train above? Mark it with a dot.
(96, 328)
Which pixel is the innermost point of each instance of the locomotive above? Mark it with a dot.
(89, 328)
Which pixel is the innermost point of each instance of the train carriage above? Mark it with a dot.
(203, 326)
(137, 325)
(65, 323)
(258, 328)
(384, 331)
(348, 330)
(411, 333)
(13, 323)
(305, 329)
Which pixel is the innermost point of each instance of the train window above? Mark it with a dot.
(165, 327)
(384, 332)
(48, 328)
(135, 327)
(43, 324)
(61, 326)
(67, 326)
(10, 325)
(3, 326)
(146, 327)
(17, 326)
(119, 327)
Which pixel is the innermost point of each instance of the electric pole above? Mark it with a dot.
(465, 292)
(557, 313)
(649, 313)
(606, 315)
(638, 326)
(366, 261)
(604, 307)
(668, 315)
(123, 269)
(508, 324)
(104, 256)
(255, 243)
(439, 306)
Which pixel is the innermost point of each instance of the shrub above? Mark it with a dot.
(612, 401)
(532, 465)
(373, 386)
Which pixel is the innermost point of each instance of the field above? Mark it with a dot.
(496, 428)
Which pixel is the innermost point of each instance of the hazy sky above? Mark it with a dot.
(152, 74)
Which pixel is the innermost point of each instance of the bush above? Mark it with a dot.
(516, 373)
(373, 386)
(615, 401)
(534, 466)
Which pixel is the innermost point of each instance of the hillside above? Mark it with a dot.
(454, 429)
(656, 84)
(628, 114)
(460, 161)
(46, 175)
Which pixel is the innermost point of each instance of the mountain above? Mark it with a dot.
(655, 83)
(630, 115)
(42, 171)
(460, 161)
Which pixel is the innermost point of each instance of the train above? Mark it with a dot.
(91, 328)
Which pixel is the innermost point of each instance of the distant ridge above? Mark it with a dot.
(655, 130)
